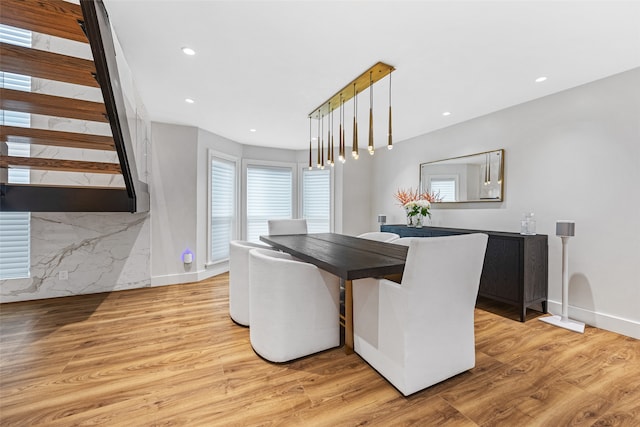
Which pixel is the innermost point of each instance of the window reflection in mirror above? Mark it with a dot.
(474, 178)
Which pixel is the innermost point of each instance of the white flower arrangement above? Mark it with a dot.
(418, 207)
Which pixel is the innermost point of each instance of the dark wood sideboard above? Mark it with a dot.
(515, 267)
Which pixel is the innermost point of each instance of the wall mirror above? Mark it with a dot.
(474, 178)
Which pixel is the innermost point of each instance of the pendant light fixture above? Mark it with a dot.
(390, 143)
(354, 148)
(351, 90)
(322, 142)
(318, 141)
(310, 146)
(370, 146)
(341, 132)
(332, 146)
(329, 139)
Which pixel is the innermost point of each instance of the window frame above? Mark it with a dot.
(302, 167)
(449, 177)
(246, 164)
(211, 155)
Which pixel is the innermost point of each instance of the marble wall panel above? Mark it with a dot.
(100, 252)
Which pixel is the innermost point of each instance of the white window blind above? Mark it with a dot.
(15, 36)
(269, 196)
(445, 187)
(316, 199)
(14, 226)
(223, 203)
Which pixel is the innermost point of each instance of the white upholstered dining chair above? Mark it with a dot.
(294, 307)
(380, 236)
(421, 332)
(406, 241)
(239, 280)
(287, 226)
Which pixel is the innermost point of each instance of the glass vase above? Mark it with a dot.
(409, 218)
(419, 221)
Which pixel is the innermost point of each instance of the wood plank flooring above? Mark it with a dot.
(171, 356)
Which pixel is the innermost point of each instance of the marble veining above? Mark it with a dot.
(100, 252)
(67, 90)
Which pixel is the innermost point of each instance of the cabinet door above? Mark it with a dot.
(502, 275)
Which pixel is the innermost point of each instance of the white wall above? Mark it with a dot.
(179, 197)
(358, 214)
(173, 191)
(572, 155)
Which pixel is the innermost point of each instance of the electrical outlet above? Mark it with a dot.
(63, 275)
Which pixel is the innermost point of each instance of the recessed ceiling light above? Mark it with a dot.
(189, 101)
(188, 51)
(252, 130)
(540, 79)
(446, 113)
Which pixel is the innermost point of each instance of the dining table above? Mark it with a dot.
(347, 257)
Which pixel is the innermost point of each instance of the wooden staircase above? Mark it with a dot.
(85, 23)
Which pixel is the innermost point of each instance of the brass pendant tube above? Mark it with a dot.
(370, 147)
(390, 142)
(341, 133)
(310, 147)
(318, 141)
(332, 146)
(322, 142)
(329, 135)
(354, 149)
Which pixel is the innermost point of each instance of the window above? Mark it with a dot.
(269, 196)
(14, 226)
(223, 207)
(316, 199)
(446, 187)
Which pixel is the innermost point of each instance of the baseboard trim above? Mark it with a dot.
(195, 276)
(628, 327)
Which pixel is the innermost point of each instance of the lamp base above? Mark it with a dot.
(572, 325)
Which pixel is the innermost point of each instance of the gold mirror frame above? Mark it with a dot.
(473, 178)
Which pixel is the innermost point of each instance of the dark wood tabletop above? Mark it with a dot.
(347, 257)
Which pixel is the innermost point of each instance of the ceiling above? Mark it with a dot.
(265, 65)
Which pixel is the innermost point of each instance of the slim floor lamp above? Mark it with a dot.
(565, 230)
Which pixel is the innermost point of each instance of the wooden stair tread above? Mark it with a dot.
(56, 138)
(54, 17)
(37, 103)
(37, 163)
(47, 65)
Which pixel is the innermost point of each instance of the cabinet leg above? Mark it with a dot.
(523, 313)
(544, 306)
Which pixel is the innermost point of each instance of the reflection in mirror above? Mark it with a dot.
(475, 178)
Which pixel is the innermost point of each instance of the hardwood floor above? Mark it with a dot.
(171, 356)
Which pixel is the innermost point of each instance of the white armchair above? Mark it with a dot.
(287, 226)
(294, 307)
(406, 241)
(239, 280)
(422, 332)
(380, 236)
